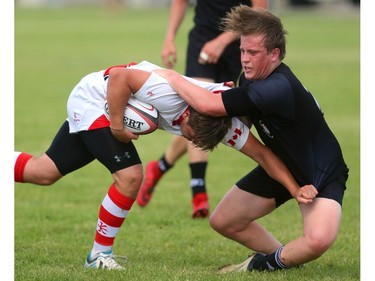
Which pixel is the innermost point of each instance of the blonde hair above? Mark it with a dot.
(243, 21)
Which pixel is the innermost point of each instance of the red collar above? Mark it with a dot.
(178, 121)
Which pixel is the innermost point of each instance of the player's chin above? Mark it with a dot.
(248, 74)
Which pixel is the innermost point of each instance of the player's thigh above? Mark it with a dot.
(68, 152)
(239, 206)
(113, 154)
(321, 219)
(41, 170)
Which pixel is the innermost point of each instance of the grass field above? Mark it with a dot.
(55, 226)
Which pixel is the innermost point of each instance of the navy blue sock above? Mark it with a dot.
(269, 262)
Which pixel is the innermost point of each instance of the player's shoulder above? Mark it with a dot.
(277, 82)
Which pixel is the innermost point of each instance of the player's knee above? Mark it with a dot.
(217, 223)
(129, 180)
(320, 243)
(214, 223)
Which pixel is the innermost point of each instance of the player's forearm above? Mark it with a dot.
(272, 164)
(227, 38)
(260, 4)
(199, 98)
(278, 171)
(176, 16)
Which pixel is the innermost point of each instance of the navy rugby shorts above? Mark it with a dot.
(258, 182)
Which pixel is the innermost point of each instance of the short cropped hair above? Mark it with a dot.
(208, 130)
(243, 20)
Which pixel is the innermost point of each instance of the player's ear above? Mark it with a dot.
(186, 113)
(275, 54)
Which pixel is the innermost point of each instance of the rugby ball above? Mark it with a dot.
(139, 117)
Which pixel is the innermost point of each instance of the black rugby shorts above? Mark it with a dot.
(258, 182)
(70, 152)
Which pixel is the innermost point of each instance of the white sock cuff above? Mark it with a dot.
(16, 155)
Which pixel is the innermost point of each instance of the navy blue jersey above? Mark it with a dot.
(208, 13)
(289, 121)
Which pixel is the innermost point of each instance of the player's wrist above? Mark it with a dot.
(117, 129)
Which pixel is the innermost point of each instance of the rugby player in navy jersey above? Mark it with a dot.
(288, 120)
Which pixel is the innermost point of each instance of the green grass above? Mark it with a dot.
(54, 226)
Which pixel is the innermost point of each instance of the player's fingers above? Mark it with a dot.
(203, 58)
(306, 201)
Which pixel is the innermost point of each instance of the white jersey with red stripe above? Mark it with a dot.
(87, 101)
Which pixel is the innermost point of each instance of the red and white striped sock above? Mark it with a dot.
(20, 160)
(112, 214)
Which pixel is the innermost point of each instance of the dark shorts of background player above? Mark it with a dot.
(258, 182)
(70, 152)
(228, 67)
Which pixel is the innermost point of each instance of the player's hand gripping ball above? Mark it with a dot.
(139, 117)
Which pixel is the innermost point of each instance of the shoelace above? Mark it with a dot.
(110, 261)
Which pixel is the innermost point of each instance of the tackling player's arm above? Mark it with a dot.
(122, 82)
(276, 169)
(199, 98)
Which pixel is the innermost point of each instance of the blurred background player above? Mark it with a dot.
(212, 56)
